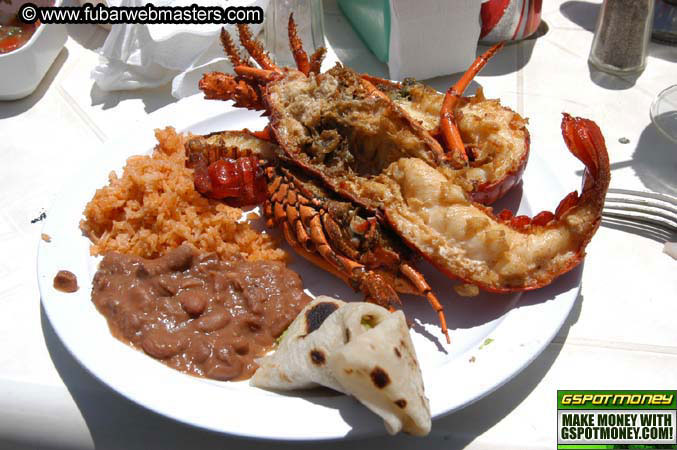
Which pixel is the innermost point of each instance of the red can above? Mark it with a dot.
(509, 20)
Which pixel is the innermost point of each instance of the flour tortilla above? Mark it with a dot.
(380, 369)
(358, 349)
(301, 357)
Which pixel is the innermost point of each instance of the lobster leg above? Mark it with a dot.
(231, 50)
(255, 49)
(424, 288)
(373, 284)
(246, 93)
(296, 46)
(369, 282)
(316, 59)
(294, 213)
(219, 86)
(313, 257)
(295, 220)
(261, 75)
(449, 130)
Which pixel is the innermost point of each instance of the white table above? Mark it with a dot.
(621, 333)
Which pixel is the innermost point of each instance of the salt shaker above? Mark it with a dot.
(622, 36)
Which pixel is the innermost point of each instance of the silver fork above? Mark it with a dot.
(652, 208)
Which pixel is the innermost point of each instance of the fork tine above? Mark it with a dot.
(643, 211)
(656, 233)
(645, 203)
(654, 195)
(643, 219)
(652, 208)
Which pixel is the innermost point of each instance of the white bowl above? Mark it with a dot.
(22, 69)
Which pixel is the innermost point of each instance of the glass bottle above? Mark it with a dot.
(308, 16)
(622, 36)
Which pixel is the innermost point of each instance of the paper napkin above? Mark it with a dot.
(138, 56)
(430, 38)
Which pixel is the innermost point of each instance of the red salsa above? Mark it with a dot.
(15, 34)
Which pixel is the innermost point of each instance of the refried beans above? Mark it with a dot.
(65, 281)
(195, 312)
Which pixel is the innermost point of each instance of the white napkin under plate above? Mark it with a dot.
(141, 56)
(430, 38)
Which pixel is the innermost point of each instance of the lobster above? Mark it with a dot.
(375, 145)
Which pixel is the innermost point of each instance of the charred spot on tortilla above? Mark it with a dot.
(402, 403)
(348, 371)
(317, 357)
(347, 335)
(397, 352)
(368, 321)
(316, 315)
(379, 377)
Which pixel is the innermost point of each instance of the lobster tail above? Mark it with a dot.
(498, 253)
(585, 141)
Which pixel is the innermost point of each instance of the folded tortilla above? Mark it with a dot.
(359, 349)
(300, 359)
(380, 369)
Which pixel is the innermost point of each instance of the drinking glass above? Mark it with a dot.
(664, 112)
(665, 22)
(309, 19)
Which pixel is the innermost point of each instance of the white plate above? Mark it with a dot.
(519, 327)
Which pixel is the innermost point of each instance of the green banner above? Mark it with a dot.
(638, 399)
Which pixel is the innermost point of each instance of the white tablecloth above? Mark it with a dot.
(621, 333)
